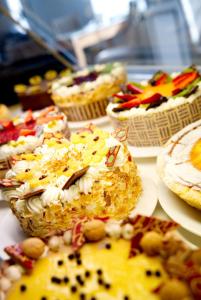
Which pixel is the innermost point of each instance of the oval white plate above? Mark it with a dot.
(144, 151)
(80, 124)
(187, 216)
(11, 232)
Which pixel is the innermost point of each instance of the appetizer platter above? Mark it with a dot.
(137, 258)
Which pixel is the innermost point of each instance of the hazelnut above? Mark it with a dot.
(54, 243)
(94, 230)
(33, 247)
(152, 242)
(196, 257)
(174, 289)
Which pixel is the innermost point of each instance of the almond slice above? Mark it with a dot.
(31, 194)
(77, 175)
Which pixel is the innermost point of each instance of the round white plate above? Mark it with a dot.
(148, 199)
(177, 209)
(144, 151)
(11, 232)
(80, 124)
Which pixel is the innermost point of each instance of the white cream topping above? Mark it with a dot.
(53, 192)
(52, 195)
(59, 89)
(22, 166)
(23, 144)
(54, 126)
(34, 204)
(8, 194)
(71, 194)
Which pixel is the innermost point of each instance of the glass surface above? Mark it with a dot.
(146, 34)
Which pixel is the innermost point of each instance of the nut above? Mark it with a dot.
(94, 230)
(174, 289)
(152, 242)
(33, 247)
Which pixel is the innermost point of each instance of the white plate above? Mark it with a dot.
(148, 200)
(187, 216)
(11, 233)
(144, 151)
(80, 124)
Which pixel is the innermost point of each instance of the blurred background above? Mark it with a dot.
(146, 34)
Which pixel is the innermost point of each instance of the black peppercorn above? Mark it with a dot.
(108, 246)
(79, 262)
(23, 288)
(71, 256)
(148, 273)
(60, 262)
(66, 279)
(100, 281)
(99, 272)
(73, 289)
(158, 273)
(87, 274)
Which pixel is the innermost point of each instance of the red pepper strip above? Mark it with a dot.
(126, 97)
(162, 79)
(136, 102)
(29, 116)
(134, 89)
(26, 132)
(183, 80)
